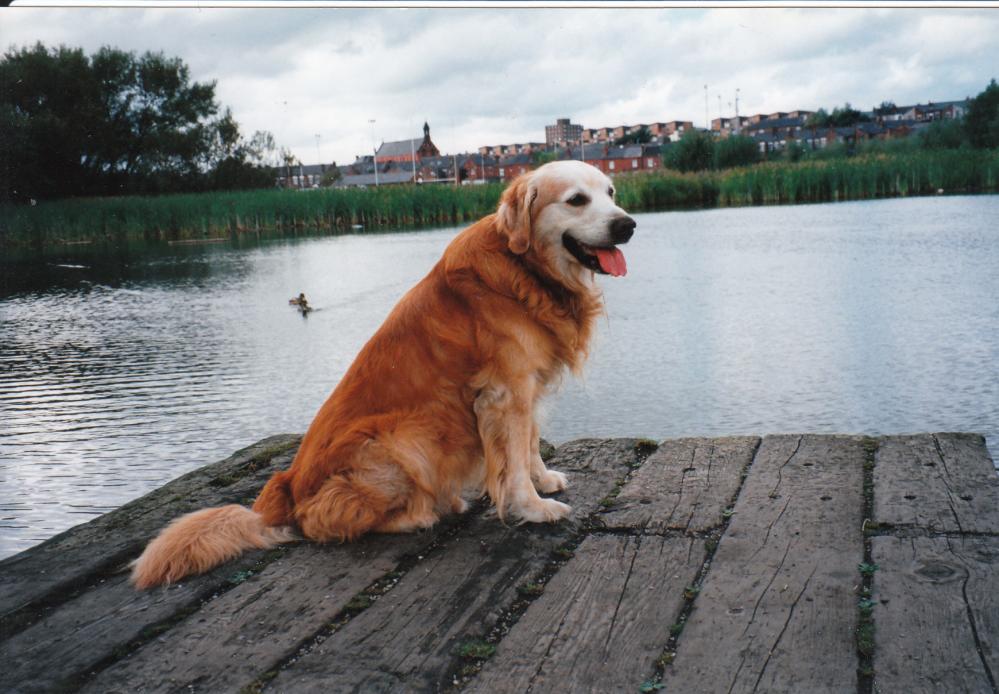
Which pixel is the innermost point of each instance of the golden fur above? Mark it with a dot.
(441, 400)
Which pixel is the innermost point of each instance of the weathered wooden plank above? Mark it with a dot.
(50, 654)
(67, 561)
(406, 641)
(685, 485)
(777, 610)
(602, 621)
(230, 641)
(936, 614)
(941, 482)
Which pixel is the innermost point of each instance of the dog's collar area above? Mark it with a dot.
(583, 253)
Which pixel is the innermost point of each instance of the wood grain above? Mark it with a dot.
(939, 482)
(407, 641)
(685, 485)
(603, 620)
(777, 611)
(936, 614)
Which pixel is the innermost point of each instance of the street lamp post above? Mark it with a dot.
(374, 150)
(707, 119)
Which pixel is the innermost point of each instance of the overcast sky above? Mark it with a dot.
(491, 76)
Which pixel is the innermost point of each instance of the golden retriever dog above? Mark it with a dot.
(440, 403)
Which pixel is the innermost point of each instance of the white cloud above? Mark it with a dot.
(485, 76)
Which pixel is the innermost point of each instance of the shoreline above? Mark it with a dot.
(214, 217)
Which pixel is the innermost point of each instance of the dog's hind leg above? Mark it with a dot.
(388, 488)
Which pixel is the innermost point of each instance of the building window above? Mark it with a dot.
(502, 172)
(611, 166)
(634, 163)
(650, 162)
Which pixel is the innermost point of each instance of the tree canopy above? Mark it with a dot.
(982, 120)
(117, 123)
(640, 137)
(839, 118)
(699, 150)
(695, 151)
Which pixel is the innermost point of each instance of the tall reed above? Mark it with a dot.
(213, 215)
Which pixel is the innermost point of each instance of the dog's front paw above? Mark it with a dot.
(551, 481)
(544, 511)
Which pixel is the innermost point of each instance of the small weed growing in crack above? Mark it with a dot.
(867, 569)
(359, 602)
(650, 686)
(476, 650)
(865, 638)
(239, 577)
(677, 628)
(531, 589)
(690, 592)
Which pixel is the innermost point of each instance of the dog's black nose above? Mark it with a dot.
(621, 229)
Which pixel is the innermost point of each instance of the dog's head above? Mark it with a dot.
(563, 214)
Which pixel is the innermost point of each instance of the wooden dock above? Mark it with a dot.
(791, 563)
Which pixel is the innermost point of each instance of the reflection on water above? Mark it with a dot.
(121, 370)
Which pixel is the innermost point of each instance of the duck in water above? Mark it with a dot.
(302, 303)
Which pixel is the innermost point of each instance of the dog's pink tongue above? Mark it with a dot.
(612, 261)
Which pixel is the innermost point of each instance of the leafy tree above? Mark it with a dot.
(839, 118)
(736, 150)
(113, 123)
(819, 119)
(695, 151)
(331, 176)
(47, 112)
(846, 116)
(540, 158)
(943, 134)
(796, 151)
(289, 162)
(982, 120)
(640, 136)
(886, 107)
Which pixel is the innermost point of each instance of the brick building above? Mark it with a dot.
(563, 133)
(405, 150)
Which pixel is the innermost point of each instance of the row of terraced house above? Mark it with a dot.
(418, 160)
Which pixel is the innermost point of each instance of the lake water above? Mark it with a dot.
(120, 373)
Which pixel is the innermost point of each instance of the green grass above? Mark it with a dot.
(221, 215)
(288, 212)
(861, 177)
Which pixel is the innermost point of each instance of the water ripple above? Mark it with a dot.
(874, 317)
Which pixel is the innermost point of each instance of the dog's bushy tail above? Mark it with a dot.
(201, 541)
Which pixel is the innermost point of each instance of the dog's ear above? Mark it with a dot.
(514, 214)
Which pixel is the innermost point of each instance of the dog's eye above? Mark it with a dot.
(610, 192)
(578, 200)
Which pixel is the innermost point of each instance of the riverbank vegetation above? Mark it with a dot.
(199, 216)
(874, 174)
